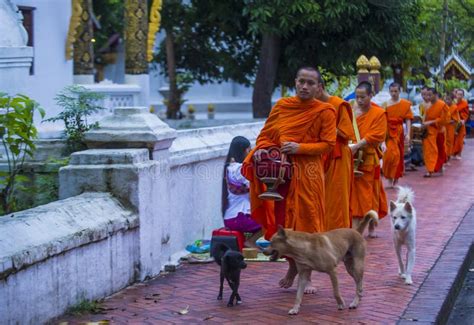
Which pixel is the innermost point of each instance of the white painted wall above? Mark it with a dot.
(53, 256)
(88, 246)
(51, 70)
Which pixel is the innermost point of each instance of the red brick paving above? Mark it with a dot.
(441, 204)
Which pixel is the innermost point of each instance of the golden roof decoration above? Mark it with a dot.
(362, 64)
(153, 27)
(374, 64)
(74, 23)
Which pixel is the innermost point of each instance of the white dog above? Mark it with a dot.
(403, 218)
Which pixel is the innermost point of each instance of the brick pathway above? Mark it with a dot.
(441, 204)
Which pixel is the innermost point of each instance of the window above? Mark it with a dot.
(28, 21)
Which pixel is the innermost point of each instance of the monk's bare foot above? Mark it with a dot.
(289, 278)
(390, 183)
(310, 289)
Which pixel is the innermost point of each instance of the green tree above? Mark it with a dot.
(263, 42)
(423, 52)
(206, 41)
(78, 103)
(273, 22)
(18, 133)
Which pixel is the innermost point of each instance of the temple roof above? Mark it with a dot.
(454, 59)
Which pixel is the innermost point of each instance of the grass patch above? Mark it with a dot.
(85, 307)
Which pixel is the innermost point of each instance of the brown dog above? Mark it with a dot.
(322, 252)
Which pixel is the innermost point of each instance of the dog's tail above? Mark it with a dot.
(371, 215)
(405, 194)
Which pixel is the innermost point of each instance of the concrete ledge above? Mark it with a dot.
(114, 156)
(32, 236)
(437, 295)
(208, 143)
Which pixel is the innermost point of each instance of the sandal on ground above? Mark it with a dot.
(428, 175)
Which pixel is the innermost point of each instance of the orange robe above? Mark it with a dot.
(393, 162)
(438, 112)
(463, 109)
(312, 124)
(450, 129)
(338, 169)
(367, 191)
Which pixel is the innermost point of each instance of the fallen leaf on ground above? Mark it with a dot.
(184, 311)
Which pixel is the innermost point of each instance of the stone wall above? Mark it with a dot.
(51, 257)
(174, 183)
(129, 206)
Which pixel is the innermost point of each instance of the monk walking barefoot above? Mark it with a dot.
(398, 111)
(304, 129)
(367, 190)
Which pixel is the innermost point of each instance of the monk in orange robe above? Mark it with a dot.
(367, 190)
(436, 117)
(463, 110)
(441, 141)
(338, 164)
(398, 111)
(451, 127)
(305, 129)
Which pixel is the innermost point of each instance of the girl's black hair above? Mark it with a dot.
(237, 151)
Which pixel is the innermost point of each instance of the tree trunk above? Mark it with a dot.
(397, 70)
(266, 75)
(173, 104)
(444, 27)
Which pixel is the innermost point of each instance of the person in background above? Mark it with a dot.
(367, 190)
(452, 126)
(235, 193)
(463, 110)
(435, 118)
(398, 111)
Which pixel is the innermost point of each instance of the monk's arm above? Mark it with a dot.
(264, 136)
(464, 114)
(327, 135)
(376, 134)
(344, 124)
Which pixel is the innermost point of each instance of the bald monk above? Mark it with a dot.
(367, 190)
(463, 110)
(451, 127)
(398, 111)
(305, 129)
(425, 103)
(435, 118)
(338, 164)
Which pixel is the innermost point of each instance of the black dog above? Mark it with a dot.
(231, 262)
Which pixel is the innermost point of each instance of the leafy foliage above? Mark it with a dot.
(17, 132)
(78, 103)
(220, 40)
(424, 50)
(212, 42)
(85, 307)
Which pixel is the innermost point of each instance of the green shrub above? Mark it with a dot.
(17, 133)
(78, 103)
